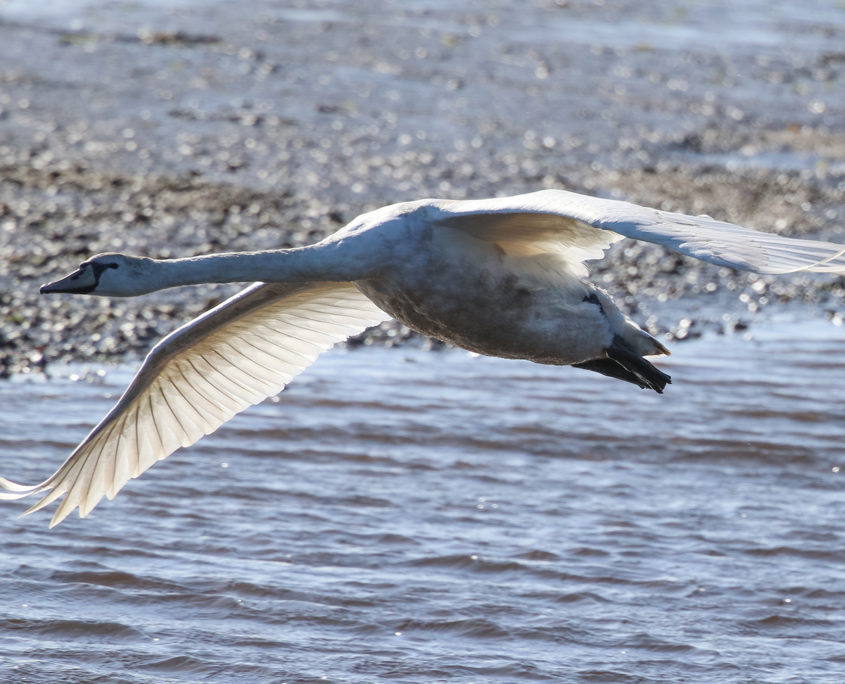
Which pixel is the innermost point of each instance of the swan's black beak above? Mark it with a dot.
(81, 281)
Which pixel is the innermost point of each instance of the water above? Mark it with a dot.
(407, 516)
(403, 516)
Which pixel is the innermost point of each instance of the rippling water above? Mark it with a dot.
(407, 516)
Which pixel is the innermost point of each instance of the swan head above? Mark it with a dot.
(107, 275)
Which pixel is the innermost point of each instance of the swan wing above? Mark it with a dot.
(580, 228)
(235, 355)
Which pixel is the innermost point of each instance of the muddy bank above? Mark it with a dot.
(196, 129)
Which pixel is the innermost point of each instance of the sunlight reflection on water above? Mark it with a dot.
(400, 512)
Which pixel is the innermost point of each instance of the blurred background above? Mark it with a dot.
(399, 515)
(170, 129)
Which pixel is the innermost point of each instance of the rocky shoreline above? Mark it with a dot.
(182, 142)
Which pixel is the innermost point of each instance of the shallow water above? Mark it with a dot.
(406, 516)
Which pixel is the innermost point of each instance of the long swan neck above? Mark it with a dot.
(284, 265)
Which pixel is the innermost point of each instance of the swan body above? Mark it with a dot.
(503, 277)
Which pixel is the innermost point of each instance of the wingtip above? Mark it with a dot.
(61, 513)
(16, 487)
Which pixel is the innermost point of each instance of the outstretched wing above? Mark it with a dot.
(235, 355)
(579, 227)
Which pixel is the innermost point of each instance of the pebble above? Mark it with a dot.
(195, 136)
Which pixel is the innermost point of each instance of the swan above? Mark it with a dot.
(503, 277)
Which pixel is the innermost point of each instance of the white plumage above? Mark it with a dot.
(502, 276)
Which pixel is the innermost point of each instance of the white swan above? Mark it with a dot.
(503, 277)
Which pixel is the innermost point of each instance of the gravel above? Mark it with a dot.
(205, 128)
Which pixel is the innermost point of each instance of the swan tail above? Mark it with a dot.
(623, 363)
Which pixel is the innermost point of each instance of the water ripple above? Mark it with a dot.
(567, 529)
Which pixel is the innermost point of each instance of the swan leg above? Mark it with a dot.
(623, 363)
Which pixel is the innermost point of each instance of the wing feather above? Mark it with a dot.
(578, 228)
(238, 354)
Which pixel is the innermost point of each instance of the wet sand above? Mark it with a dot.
(202, 128)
